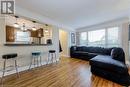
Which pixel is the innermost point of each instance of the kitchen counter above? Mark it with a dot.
(15, 44)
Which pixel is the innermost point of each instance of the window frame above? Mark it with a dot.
(96, 30)
(106, 36)
(86, 39)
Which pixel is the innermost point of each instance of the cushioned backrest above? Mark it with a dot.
(73, 48)
(118, 54)
(100, 50)
(108, 51)
(79, 48)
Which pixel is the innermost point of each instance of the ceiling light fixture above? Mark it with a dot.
(23, 28)
(46, 30)
(16, 23)
(34, 28)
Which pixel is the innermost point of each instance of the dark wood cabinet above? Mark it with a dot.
(10, 34)
(11, 31)
(40, 32)
(33, 33)
(37, 33)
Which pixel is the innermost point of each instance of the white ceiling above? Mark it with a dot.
(78, 13)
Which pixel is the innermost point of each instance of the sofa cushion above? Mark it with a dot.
(108, 51)
(109, 64)
(81, 52)
(91, 55)
(81, 55)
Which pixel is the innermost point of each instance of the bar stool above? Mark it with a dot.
(35, 59)
(52, 55)
(7, 57)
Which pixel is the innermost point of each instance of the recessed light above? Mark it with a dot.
(34, 29)
(16, 25)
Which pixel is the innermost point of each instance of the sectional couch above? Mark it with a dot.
(108, 63)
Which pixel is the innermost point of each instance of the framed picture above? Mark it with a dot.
(129, 32)
(73, 38)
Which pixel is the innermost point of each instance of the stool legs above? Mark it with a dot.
(30, 64)
(3, 71)
(55, 57)
(4, 67)
(48, 58)
(16, 67)
(52, 57)
(40, 60)
(35, 60)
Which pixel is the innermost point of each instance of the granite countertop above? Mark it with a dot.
(24, 44)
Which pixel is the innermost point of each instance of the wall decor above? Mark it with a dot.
(129, 32)
(73, 38)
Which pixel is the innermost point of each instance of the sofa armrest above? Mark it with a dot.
(118, 54)
(72, 50)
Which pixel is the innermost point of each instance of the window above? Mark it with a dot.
(107, 37)
(96, 38)
(113, 37)
(21, 36)
(83, 38)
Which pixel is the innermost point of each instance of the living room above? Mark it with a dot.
(64, 43)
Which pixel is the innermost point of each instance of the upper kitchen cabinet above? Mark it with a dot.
(37, 33)
(10, 34)
(40, 33)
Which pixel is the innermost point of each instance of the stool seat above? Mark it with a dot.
(36, 53)
(9, 56)
(52, 51)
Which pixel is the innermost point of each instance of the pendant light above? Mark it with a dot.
(16, 23)
(46, 30)
(23, 28)
(34, 28)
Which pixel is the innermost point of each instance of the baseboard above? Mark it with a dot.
(20, 69)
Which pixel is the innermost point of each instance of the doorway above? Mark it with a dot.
(64, 41)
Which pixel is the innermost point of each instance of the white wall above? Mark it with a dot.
(121, 23)
(64, 40)
(24, 52)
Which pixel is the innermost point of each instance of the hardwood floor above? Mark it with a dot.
(67, 73)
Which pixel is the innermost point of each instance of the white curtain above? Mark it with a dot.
(124, 31)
